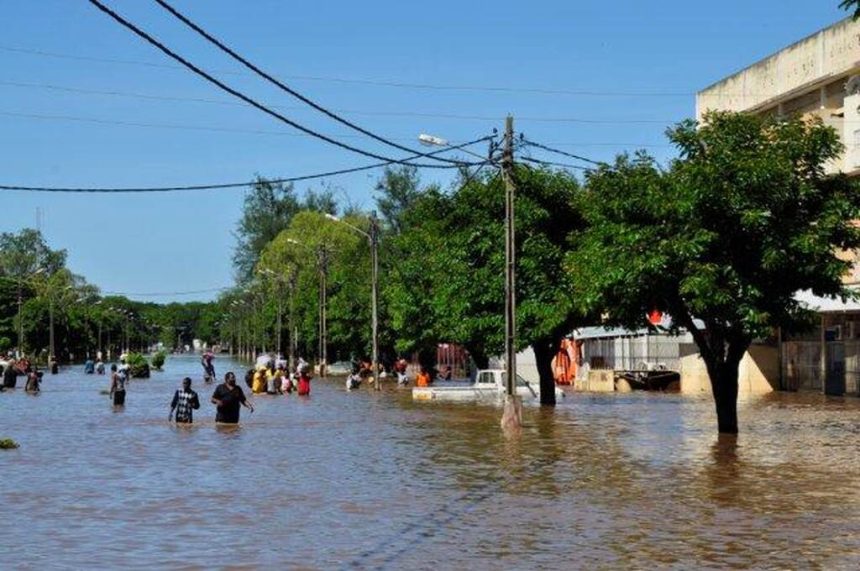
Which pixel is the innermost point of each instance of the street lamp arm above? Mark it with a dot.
(356, 228)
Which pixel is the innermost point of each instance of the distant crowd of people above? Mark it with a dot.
(271, 375)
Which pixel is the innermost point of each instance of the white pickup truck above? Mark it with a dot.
(489, 386)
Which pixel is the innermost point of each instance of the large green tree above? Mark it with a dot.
(448, 284)
(745, 218)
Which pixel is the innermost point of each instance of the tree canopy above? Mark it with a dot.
(745, 218)
(449, 262)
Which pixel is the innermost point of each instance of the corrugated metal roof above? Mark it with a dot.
(829, 304)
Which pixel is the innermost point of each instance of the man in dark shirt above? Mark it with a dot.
(185, 402)
(227, 398)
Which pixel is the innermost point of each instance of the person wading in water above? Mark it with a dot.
(117, 386)
(185, 402)
(227, 398)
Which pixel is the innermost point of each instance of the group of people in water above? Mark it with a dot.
(21, 367)
(228, 397)
(270, 376)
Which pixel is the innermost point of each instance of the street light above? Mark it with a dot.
(373, 238)
(51, 355)
(21, 280)
(512, 416)
(322, 263)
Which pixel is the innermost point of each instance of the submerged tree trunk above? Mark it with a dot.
(545, 350)
(725, 389)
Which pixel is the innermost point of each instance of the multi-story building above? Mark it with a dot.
(817, 76)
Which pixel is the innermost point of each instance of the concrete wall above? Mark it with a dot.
(758, 373)
(597, 381)
(817, 59)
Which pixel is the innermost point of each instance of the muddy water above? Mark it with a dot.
(368, 480)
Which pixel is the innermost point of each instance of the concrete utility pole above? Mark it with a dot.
(374, 278)
(323, 263)
(292, 335)
(513, 414)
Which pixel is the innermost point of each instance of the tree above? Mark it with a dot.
(449, 285)
(744, 219)
(399, 188)
(22, 256)
(268, 209)
(849, 5)
(25, 253)
(348, 270)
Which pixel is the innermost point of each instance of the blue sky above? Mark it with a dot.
(642, 61)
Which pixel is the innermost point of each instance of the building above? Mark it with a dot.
(818, 76)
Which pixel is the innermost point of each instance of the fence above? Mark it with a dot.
(635, 353)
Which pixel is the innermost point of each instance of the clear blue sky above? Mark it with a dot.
(183, 242)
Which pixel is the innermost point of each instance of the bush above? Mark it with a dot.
(158, 360)
(138, 366)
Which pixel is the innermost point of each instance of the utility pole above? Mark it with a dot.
(292, 285)
(20, 319)
(374, 278)
(513, 413)
(323, 267)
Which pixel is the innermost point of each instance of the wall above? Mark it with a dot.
(819, 58)
(758, 372)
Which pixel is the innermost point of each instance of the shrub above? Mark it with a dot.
(158, 360)
(138, 366)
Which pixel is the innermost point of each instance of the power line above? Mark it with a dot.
(283, 87)
(372, 113)
(564, 153)
(179, 126)
(119, 190)
(167, 51)
(398, 84)
(553, 164)
(182, 126)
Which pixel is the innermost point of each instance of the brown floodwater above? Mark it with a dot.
(372, 480)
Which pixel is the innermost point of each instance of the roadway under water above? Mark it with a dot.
(373, 480)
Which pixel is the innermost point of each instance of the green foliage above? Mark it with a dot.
(399, 189)
(851, 6)
(158, 360)
(728, 234)
(449, 273)
(25, 253)
(268, 209)
(8, 444)
(138, 366)
(294, 258)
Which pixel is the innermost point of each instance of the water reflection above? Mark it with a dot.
(374, 480)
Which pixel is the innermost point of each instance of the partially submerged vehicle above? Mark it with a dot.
(489, 386)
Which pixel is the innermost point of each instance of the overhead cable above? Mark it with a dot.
(404, 85)
(167, 51)
(563, 153)
(119, 190)
(179, 126)
(283, 87)
(553, 164)
(370, 113)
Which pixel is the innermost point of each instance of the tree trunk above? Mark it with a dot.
(724, 385)
(545, 350)
(725, 388)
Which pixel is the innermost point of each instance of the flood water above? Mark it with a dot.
(372, 480)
